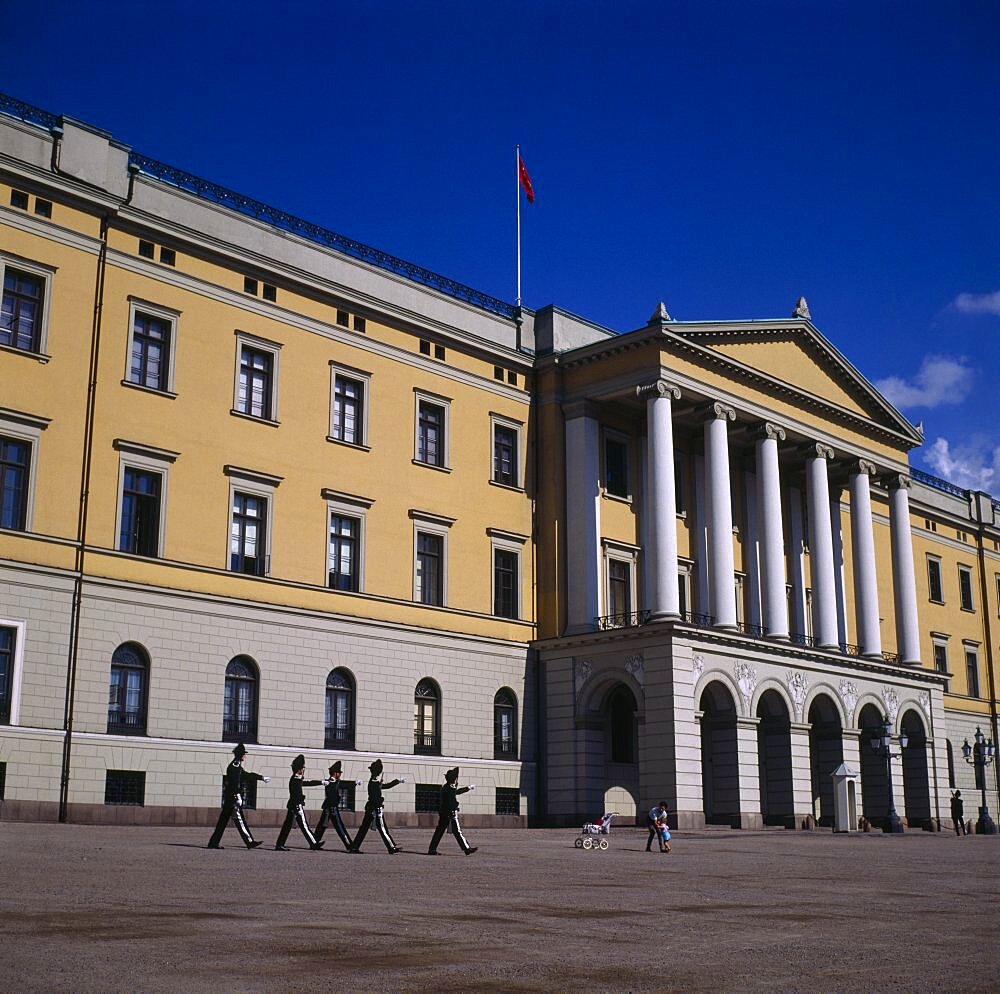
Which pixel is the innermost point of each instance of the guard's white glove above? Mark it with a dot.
(402, 779)
(358, 783)
(267, 779)
(325, 782)
(472, 786)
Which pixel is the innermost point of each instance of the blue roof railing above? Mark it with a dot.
(21, 111)
(938, 484)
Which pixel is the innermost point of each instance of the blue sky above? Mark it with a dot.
(722, 157)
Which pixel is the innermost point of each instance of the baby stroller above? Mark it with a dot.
(600, 827)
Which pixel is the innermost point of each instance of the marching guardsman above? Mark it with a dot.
(331, 807)
(374, 810)
(232, 800)
(297, 806)
(448, 814)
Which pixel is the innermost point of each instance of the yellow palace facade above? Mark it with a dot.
(263, 483)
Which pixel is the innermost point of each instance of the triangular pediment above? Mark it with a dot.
(797, 355)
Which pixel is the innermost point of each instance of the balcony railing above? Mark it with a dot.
(938, 484)
(338, 738)
(427, 745)
(504, 748)
(635, 619)
(127, 723)
(239, 729)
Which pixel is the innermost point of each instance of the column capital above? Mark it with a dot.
(658, 388)
(818, 450)
(718, 411)
(898, 481)
(768, 429)
(862, 467)
(579, 409)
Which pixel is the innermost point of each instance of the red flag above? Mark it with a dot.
(522, 175)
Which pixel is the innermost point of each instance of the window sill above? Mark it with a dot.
(41, 357)
(430, 465)
(251, 417)
(617, 498)
(139, 386)
(350, 445)
(969, 610)
(506, 486)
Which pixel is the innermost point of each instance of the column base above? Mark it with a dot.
(778, 637)
(664, 616)
(873, 656)
(579, 629)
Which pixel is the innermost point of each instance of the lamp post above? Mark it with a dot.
(882, 746)
(979, 757)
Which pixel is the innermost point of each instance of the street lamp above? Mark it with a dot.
(979, 757)
(882, 746)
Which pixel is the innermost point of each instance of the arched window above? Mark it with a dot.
(623, 725)
(339, 732)
(239, 707)
(427, 718)
(127, 690)
(505, 724)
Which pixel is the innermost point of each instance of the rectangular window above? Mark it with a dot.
(965, 588)
(347, 801)
(19, 199)
(342, 567)
(254, 393)
(972, 671)
(427, 798)
(934, 589)
(249, 285)
(248, 535)
(429, 587)
(127, 787)
(139, 533)
(15, 475)
(431, 437)
(21, 313)
(505, 454)
(425, 347)
(348, 410)
(941, 659)
(150, 351)
(360, 325)
(43, 208)
(508, 801)
(439, 352)
(249, 792)
(168, 256)
(619, 587)
(146, 249)
(616, 466)
(498, 373)
(343, 318)
(8, 643)
(269, 293)
(506, 571)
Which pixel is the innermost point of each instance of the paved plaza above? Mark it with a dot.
(149, 909)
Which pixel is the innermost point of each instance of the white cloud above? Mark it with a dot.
(974, 465)
(940, 380)
(978, 303)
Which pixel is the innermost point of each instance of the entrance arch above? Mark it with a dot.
(874, 783)
(826, 753)
(916, 789)
(620, 770)
(720, 775)
(774, 760)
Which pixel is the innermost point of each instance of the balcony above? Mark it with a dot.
(338, 738)
(239, 729)
(126, 723)
(426, 745)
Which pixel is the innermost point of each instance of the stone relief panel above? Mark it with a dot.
(635, 669)
(746, 680)
(924, 700)
(891, 699)
(698, 666)
(798, 687)
(849, 694)
(582, 671)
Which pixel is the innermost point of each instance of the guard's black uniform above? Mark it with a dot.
(232, 802)
(374, 810)
(448, 817)
(297, 808)
(331, 810)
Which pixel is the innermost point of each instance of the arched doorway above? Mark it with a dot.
(826, 753)
(720, 775)
(874, 783)
(916, 789)
(774, 760)
(621, 754)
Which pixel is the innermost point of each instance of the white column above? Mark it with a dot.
(821, 547)
(903, 580)
(863, 547)
(836, 530)
(663, 498)
(721, 569)
(701, 603)
(751, 551)
(583, 564)
(772, 539)
(796, 563)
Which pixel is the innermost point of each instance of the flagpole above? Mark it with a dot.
(517, 195)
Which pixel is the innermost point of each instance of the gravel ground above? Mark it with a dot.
(101, 909)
